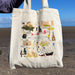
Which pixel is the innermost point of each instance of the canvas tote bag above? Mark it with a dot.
(36, 37)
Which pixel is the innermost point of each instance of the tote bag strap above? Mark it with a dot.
(45, 3)
(27, 4)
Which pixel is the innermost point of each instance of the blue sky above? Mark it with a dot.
(66, 10)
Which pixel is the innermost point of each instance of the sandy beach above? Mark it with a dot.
(69, 56)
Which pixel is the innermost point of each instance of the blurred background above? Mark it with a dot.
(66, 10)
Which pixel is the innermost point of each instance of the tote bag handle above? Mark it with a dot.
(45, 3)
(27, 4)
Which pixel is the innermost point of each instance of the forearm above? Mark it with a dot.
(7, 6)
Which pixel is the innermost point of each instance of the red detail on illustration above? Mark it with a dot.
(37, 33)
(32, 34)
(44, 31)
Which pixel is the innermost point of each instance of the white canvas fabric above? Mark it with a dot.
(36, 37)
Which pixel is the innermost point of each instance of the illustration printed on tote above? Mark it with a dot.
(28, 26)
(38, 40)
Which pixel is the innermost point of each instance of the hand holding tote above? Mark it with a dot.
(6, 6)
(36, 37)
